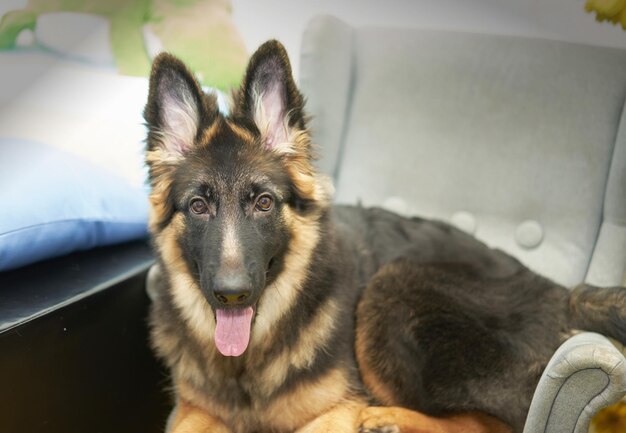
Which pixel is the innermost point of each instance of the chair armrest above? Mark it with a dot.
(586, 374)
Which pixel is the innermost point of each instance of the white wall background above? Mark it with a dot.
(565, 20)
(260, 20)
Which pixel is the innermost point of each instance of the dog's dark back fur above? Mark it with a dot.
(445, 325)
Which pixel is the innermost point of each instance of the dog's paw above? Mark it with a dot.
(384, 429)
(377, 420)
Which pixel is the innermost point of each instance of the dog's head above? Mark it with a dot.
(228, 192)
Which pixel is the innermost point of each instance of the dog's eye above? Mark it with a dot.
(198, 206)
(264, 203)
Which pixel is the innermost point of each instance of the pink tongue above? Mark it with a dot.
(232, 333)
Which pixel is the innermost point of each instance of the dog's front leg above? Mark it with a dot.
(340, 419)
(191, 419)
(399, 420)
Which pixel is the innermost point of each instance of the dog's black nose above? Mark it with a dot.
(230, 298)
(233, 289)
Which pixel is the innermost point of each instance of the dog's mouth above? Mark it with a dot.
(234, 325)
(232, 330)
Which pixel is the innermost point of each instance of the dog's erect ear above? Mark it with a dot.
(270, 96)
(175, 107)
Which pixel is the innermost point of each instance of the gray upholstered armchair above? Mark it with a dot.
(521, 142)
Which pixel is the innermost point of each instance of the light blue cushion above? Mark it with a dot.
(53, 203)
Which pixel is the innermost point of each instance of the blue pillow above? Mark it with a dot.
(53, 202)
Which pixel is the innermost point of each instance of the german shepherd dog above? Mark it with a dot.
(278, 312)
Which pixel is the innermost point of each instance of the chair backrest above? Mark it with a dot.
(520, 141)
